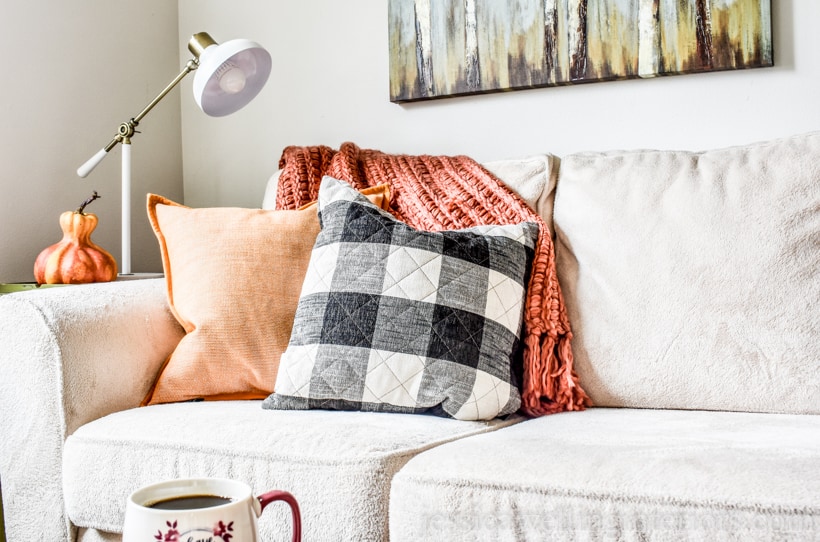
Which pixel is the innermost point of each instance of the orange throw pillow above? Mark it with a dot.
(233, 277)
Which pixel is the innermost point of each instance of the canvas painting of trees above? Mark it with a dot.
(442, 48)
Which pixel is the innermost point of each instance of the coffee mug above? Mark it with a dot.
(200, 510)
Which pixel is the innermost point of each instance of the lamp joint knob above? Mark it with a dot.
(127, 129)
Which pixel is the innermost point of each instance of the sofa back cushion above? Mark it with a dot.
(692, 280)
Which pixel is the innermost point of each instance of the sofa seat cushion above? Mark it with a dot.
(338, 465)
(618, 474)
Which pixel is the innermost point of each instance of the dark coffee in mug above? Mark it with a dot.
(190, 502)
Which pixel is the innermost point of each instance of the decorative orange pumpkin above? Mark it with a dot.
(75, 259)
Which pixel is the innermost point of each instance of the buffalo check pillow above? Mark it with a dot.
(395, 319)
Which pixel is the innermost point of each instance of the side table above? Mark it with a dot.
(12, 287)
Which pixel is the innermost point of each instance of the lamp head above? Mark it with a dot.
(230, 75)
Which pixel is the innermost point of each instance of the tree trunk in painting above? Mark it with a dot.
(424, 47)
(471, 46)
(704, 32)
(578, 39)
(551, 40)
(649, 35)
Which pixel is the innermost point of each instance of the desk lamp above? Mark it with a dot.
(228, 77)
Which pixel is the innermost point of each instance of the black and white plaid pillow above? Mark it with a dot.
(399, 320)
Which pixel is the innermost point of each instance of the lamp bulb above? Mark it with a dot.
(231, 78)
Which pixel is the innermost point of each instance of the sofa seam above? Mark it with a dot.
(610, 497)
(213, 450)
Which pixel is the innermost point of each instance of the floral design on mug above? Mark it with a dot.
(221, 530)
(171, 536)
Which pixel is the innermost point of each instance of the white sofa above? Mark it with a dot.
(692, 282)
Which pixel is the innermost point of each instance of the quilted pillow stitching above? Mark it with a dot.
(400, 320)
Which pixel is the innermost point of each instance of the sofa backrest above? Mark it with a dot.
(692, 280)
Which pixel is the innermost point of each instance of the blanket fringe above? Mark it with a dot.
(550, 382)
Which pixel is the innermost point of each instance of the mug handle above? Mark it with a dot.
(277, 495)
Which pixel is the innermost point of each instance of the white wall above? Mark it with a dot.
(330, 84)
(72, 71)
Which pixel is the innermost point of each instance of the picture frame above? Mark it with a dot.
(442, 48)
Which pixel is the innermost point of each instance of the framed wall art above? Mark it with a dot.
(441, 48)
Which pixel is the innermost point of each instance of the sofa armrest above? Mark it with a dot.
(68, 356)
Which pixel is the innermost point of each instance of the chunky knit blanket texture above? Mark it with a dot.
(437, 193)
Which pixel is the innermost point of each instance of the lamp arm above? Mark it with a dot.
(189, 67)
(127, 129)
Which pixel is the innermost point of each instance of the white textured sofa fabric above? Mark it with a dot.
(692, 279)
(618, 474)
(338, 465)
(69, 356)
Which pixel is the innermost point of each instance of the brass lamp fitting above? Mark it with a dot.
(199, 42)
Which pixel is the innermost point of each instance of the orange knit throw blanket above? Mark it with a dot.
(435, 193)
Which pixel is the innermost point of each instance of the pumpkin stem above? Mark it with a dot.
(86, 202)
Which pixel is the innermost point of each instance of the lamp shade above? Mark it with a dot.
(230, 75)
